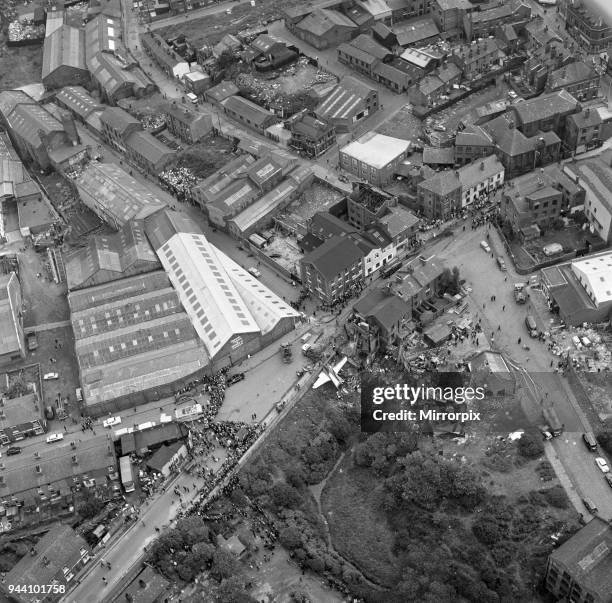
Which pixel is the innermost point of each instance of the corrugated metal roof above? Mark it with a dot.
(211, 300)
(9, 312)
(65, 47)
(28, 121)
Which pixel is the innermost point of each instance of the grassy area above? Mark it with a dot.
(376, 560)
(210, 29)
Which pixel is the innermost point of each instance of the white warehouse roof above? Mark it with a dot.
(376, 149)
(595, 275)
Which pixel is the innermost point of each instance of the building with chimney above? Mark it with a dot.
(589, 29)
(577, 78)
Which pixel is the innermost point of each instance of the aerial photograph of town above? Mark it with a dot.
(305, 301)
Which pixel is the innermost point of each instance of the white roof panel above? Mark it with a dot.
(211, 300)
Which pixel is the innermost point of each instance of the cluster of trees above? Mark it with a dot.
(530, 445)
(605, 440)
(428, 482)
(189, 549)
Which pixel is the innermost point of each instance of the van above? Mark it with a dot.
(79, 394)
(55, 437)
(590, 441)
(192, 98)
(531, 325)
(589, 505)
(305, 337)
(306, 347)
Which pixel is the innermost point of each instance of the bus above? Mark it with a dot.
(127, 477)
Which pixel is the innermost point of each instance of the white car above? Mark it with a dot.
(602, 464)
(55, 437)
(49, 376)
(111, 421)
(255, 272)
(485, 246)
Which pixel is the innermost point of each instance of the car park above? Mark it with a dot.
(13, 450)
(55, 437)
(50, 376)
(602, 464)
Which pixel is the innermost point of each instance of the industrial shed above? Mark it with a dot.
(64, 58)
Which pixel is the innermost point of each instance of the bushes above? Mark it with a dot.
(530, 445)
(487, 530)
(556, 496)
(605, 441)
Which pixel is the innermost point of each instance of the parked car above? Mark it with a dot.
(501, 263)
(485, 246)
(13, 450)
(602, 464)
(49, 376)
(255, 272)
(111, 421)
(55, 437)
(589, 505)
(589, 441)
(532, 326)
(32, 341)
(519, 296)
(609, 479)
(235, 378)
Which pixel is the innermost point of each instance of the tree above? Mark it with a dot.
(530, 445)
(285, 496)
(486, 529)
(290, 538)
(232, 590)
(223, 565)
(605, 440)
(90, 507)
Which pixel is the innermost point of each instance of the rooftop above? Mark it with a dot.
(586, 118)
(147, 586)
(473, 136)
(64, 47)
(78, 100)
(20, 411)
(10, 310)
(575, 72)
(254, 113)
(61, 547)
(465, 177)
(545, 106)
(322, 20)
(595, 274)
(146, 145)
(415, 31)
(32, 121)
(595, 176)
(345, 100)
(116, 192)
(334, 256)
(417, 57)
(119, 120)
(111, 257)
(586, 555)
(377, 150)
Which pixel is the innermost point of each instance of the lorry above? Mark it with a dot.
(554, 425)
(286, 352)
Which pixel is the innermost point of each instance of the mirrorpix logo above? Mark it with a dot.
(427, 398)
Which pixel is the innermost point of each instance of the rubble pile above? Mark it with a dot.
(153, 122)
(178, 179)
(25, 30)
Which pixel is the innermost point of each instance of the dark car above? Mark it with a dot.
(13, 450)
(608, 479)
(32, 341)
(235, 378)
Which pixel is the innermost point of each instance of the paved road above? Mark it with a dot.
(485, 278)
(49, 326)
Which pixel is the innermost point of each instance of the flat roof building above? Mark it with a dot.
(374, 157)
